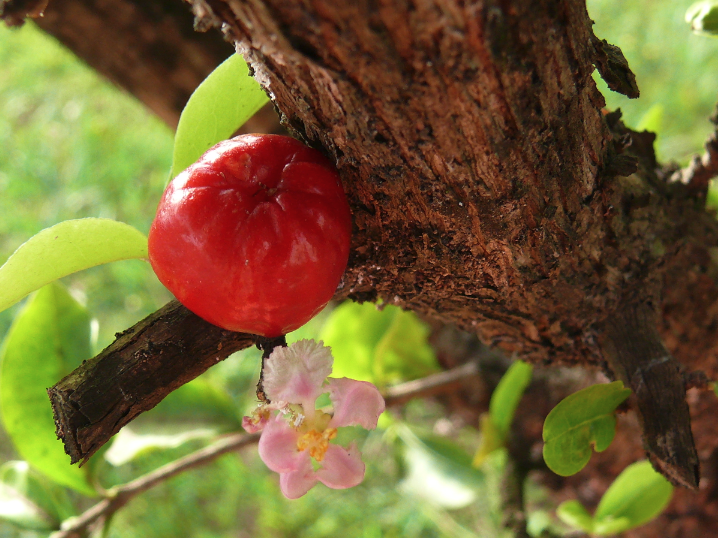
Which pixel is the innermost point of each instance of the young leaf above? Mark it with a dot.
(381, 346)
(507, 394)
(491, 440)
(495, 426)
(578, 422)
(575, 515)
(63, 249)
(49, 337)
(219, 106)
(638, 495)
(197, 410)
(29, 502)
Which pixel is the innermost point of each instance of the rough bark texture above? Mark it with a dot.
(147, 362)
(490, 190)
(148, 48)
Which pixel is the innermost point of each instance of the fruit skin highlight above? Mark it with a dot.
(254, 237)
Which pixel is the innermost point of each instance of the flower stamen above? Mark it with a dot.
(317, 443)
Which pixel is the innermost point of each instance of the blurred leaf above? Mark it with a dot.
(652, 120)
(438, 470)
(63, 249)
(496, 425)
(581, 420)
(507, 394)
(381, 346)
(638, 495)
(30, 502)
(49, 338)
(491, 439)
(703, 17)
(574, 514)
(219, 106)
(197, 410)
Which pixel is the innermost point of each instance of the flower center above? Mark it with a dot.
(316, 442)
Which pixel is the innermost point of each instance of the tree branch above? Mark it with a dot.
(158, 355)
(637, 356)
(121, 495)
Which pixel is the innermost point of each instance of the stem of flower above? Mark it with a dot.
(267, 345)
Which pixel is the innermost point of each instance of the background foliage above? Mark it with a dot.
(73, 146)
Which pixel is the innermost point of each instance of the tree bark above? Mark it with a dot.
(149, 49)
(158, 355)
(488, 187)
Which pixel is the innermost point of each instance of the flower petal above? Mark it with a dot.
(295, 374)
(342, 467)
(294, 484)
(278, 447)
(355, 403)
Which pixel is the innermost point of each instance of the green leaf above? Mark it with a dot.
(578, 422)
(507, 394)
(439, 470)
(30, 502)
(197, 410)
(491, 439)
(49, 338)
(381, 346)
(638, 495)
(703, 17)
(574, 514)
(63, 249)
(219, 106)
(652, 120)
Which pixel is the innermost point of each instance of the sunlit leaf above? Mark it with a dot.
(30, 502)
(197, 410)
(219, 106)
(575, 515)
(63, 249)
(381, 346)
(439, 470)
(703, 17)
(507, 394)
(638, 495)
(49, 338)
(578, 422)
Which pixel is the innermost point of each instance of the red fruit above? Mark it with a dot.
(254, 237)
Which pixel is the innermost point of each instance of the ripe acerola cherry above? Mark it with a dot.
(254, 237)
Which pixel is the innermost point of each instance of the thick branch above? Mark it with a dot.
(148, 48)
(158, 355)
(637, 356)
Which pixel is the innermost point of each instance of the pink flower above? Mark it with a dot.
(294, 377)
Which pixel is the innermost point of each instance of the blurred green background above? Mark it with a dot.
(72, 146)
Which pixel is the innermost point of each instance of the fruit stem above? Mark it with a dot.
(267, 345)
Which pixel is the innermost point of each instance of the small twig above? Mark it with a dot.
(121, 495)
(701, 170)
(429, 385)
